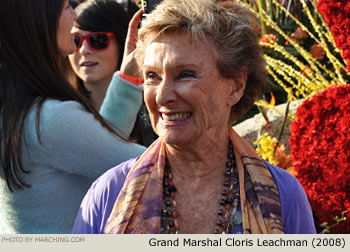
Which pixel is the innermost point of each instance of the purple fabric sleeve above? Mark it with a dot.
(99, 201)
(296, 210)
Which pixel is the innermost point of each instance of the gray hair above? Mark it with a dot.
(231, 28)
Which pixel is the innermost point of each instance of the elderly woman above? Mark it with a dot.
(202, 68)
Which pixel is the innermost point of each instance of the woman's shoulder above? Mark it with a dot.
(56, 110)
(62, 119)
(52, 107)
(99, 201)
(54, 114)
(106, 188)
(114, 177)
(288, 185)
(296, 210)
(284, 180)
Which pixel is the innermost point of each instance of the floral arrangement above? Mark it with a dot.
(268, 149)
(337, 16)
(265, 148)
(320, 144)
(301, 56)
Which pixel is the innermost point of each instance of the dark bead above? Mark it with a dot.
(164, 212)
(222, 202)
(216, 231)
(234, 181)
(224, 192)
(171, 223)
(229, 164)
(169, 213)
(220, 212)
(166, 183)
(172, 189)
(226, 182)
(219, 222)
(168, 203)
(167, 193)
(229, 201)
(230, 155)
(227, 172)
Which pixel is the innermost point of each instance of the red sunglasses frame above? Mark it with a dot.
(87, 38)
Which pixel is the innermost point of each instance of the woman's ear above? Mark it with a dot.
(237, 86)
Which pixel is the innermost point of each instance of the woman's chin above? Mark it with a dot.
(67, 51)
(175, 139)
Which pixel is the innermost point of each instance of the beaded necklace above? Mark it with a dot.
(228, 216)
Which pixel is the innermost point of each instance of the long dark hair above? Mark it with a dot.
(30, 72)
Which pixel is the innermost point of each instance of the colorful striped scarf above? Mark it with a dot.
(138, 206)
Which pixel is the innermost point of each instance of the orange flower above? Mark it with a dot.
(292, 171)
(268, 39)
(284, 161)
(317, 51)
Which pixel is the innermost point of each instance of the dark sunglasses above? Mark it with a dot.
(96, 40)
(73, 4)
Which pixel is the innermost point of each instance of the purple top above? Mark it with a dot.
(99, 201)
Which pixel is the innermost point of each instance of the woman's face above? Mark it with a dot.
(94, 66)
(65, 40)
(184, 92)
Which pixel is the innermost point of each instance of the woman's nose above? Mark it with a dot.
(165, 93)
(85, 48)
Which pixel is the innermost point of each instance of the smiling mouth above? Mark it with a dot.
(178, 117)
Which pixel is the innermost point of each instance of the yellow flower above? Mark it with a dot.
(265, 146)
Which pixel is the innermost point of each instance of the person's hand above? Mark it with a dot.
(129, 65)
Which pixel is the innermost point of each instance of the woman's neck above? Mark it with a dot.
(199, 160)
(198, 173)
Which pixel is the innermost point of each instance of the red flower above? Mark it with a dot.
(320, 148)
(337, 15)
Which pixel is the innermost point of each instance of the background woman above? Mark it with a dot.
(203, 68)
(100, 32)
(98, 56)
(54, 143)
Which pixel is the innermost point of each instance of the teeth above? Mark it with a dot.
(177, 117)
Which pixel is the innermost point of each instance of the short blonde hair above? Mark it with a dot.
(230, 27)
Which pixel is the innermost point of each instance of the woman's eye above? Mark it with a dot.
(151, 78)
(187, 74)
(151, 75)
